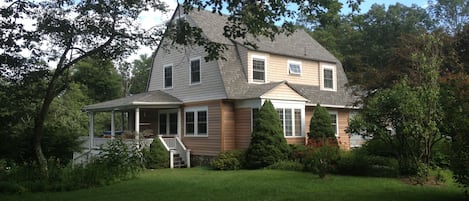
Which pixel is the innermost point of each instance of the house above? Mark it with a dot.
(201, 108)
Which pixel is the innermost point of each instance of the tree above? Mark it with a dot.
(320, 127)
(99, 78)
(451, 15)
(140, 74)
(410, 109)
(455, 124)
(267, 142)
(64, 33)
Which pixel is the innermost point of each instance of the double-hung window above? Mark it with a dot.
(168, 76)
(258, 69)
(290, 119)
(328, 79)
(195, 71)
(196, 121)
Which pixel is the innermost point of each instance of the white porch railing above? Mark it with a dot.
(174, 146)
(85, 155)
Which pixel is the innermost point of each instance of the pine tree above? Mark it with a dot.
(320, 127)
(268, 144)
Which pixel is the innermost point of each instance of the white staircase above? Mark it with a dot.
(179, 155)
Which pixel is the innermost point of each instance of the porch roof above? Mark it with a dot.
(151, 99)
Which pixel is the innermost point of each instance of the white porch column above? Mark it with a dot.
(113, 127)
(91, 133)
(137, 126)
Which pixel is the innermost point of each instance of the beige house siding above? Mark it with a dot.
(229, 126)
(211, 86)
(243, 127)
(283, 92)
(201, 145)
(296, 140)
(277, 69)
(344, 138)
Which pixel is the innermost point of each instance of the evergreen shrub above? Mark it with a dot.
(268, 145)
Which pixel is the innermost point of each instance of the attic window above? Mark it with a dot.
(294, 68)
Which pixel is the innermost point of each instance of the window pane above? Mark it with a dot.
(294, 68)
(162, 118)
(202, 122)
(168, 77)
(195, 71)
(173, 123)
(297, 122)
(328, 79)
(288, 122)
(258, 69)
(190, 123)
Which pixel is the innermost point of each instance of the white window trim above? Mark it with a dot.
(334, 112)
(164, 76)
(190, 71)
(297, 63)
(334, 77)
(196, 110)
(251, 71)
(167, 120)
(292, 105)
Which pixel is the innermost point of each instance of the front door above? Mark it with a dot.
(168, 122)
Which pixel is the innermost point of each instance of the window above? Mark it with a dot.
(196, 121)
(328, 81)
(195, 71)
(294, 68)
(334, 122)
(168, 76)
(290, 120)
(258, 69)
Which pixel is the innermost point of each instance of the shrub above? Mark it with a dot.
(320, 126)
(157, 156)
(229, 160)
(287, 165)
(267, 143)
(321, 160)
(297, 152)
(358, 163)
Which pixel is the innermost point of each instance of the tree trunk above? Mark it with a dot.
(38, 130)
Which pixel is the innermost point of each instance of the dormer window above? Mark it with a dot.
(258, 69)
(294, 68)
(328, 78)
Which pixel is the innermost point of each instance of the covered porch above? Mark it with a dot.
(143, 117)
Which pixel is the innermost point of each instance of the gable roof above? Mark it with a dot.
(151, 98)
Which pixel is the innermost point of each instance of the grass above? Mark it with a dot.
(202, 184)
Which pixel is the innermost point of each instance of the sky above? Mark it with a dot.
(150, 19)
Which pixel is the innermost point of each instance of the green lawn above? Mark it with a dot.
(201, 184)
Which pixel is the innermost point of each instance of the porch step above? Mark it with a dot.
(178, 162)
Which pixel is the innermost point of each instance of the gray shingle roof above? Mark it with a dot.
(151, 98)
(299, 44)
